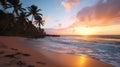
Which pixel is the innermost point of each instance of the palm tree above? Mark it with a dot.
(39, 22)
(34, 11)
(17, 23)
(17, 6)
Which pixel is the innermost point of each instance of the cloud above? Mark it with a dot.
(46, 18)
(102, 14)
(68, 4)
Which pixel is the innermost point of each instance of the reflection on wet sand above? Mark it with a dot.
(68, 60)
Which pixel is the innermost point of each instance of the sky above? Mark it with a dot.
(80, 17)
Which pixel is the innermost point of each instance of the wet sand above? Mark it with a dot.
(14, 54)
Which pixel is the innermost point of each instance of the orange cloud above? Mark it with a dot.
(68, 4)
(102, 14)
(46, 18)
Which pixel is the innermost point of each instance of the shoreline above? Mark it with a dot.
(28, 57)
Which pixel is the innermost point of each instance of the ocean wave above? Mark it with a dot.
(104, 50)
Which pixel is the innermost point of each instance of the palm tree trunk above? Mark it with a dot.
(16, 12)
(39, 27)
(32, 18)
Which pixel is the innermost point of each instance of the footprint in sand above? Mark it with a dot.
(16, 55)
(20, 63)
(10, 56)
(24, 54)
(15, 49)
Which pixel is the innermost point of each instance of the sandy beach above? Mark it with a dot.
(14, 54)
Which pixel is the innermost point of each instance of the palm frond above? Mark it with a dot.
(39, 10)
(40, 14)
(28, 14)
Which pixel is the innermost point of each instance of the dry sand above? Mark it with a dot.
(14, 54)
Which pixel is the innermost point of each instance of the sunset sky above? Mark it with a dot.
(80, 17)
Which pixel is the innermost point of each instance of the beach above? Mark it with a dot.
(14, 54)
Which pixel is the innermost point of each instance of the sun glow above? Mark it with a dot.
(86, 30)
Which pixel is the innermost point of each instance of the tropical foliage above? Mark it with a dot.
(34, 11)
(17, 23)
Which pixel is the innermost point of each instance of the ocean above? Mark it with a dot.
(105, 48)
